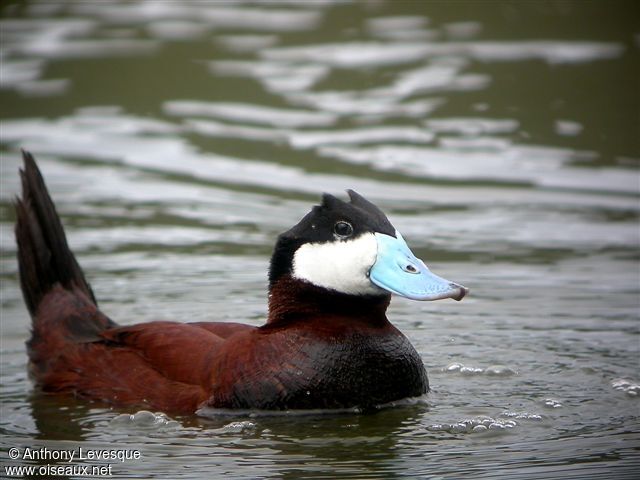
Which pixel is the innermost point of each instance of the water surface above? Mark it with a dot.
(502, 139)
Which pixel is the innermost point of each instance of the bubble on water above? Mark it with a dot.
(474, 425)
(438, 427)
(144, 419)
(238, 427)
(471, 370)
(551, 403)
(453, 367)
(458, 428)
(522, 416)
(626, 386)
(500, 371)
(493, 370)
(461, 368)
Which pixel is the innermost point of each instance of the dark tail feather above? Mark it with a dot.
(44, 258)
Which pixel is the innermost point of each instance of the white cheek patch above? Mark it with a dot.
(342, 265)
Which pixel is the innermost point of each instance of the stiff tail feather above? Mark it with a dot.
(44, 257)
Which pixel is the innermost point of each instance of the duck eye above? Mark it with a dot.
(343, 229)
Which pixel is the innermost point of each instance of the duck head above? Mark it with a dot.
(352, 248)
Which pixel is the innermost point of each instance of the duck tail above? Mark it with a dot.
(44, 257)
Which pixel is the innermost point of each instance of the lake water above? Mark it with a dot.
(502, 139)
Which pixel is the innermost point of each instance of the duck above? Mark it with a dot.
(326, 342)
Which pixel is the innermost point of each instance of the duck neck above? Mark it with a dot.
(296, 300)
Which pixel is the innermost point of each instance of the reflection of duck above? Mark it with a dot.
(326, 343)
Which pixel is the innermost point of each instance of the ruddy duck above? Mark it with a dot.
(326, 343)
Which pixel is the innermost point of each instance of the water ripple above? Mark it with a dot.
(178, 139)
(376, 54)
(251, 113)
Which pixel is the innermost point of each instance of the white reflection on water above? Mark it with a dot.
(472, 126)
(492, 161)
(440, 75)
(177, 29)
(276, 77)
(370, 54)
(310, 138)
(251, 113)
(246, 43)
(376, 107)
(45, 37)
(148, 143)
(173, 200)
(213, 14)
(57, 38)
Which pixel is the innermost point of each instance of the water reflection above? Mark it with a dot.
(178, 139)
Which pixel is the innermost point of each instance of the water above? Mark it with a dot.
(179, 138)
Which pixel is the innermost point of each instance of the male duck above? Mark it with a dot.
(326, 343)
